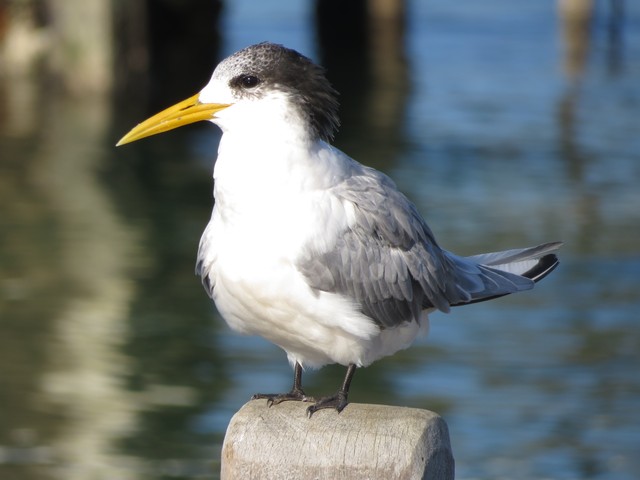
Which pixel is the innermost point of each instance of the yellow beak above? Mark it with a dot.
(183, 113)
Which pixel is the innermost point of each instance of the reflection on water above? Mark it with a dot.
(113, 363)
(66, 291)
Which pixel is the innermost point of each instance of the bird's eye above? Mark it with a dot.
(248, 81)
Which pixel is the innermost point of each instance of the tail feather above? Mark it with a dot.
(518, 260)
(544, 267)
(533, 263)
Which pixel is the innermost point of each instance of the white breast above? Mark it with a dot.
(268, 208)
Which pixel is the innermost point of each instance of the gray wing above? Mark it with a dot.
(202, 268)
(390, 263)
(523, 261)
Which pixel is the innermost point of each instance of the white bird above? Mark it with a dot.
(308, 248)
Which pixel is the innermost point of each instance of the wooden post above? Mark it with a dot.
(373, 442)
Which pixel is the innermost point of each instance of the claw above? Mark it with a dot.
(337, 402)
(276, 398)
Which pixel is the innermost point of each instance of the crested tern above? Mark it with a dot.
(308, 248)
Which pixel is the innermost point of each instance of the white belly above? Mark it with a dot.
(259, 291)
(249, 252)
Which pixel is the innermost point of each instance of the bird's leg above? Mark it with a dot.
(296, 392)
(339, 400)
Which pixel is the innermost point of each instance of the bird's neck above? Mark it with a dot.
(259, 151)
(257, 169)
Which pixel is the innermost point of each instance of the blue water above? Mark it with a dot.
(116, 365)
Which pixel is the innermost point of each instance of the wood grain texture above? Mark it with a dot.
(362, 442)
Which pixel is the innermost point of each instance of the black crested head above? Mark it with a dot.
(267, 66)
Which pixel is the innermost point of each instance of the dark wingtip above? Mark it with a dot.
(544, 267)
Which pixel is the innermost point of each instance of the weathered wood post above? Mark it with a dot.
(375, 442)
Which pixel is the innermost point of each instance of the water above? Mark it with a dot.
(114, 364)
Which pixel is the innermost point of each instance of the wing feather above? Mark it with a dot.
(388, 261)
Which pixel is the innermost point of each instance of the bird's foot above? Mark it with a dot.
(337, 402)
(276, 398)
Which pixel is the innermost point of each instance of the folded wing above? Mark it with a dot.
(389, 262)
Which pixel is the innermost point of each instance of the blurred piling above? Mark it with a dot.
(98, 46)
(575, 20)
(363, 441)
